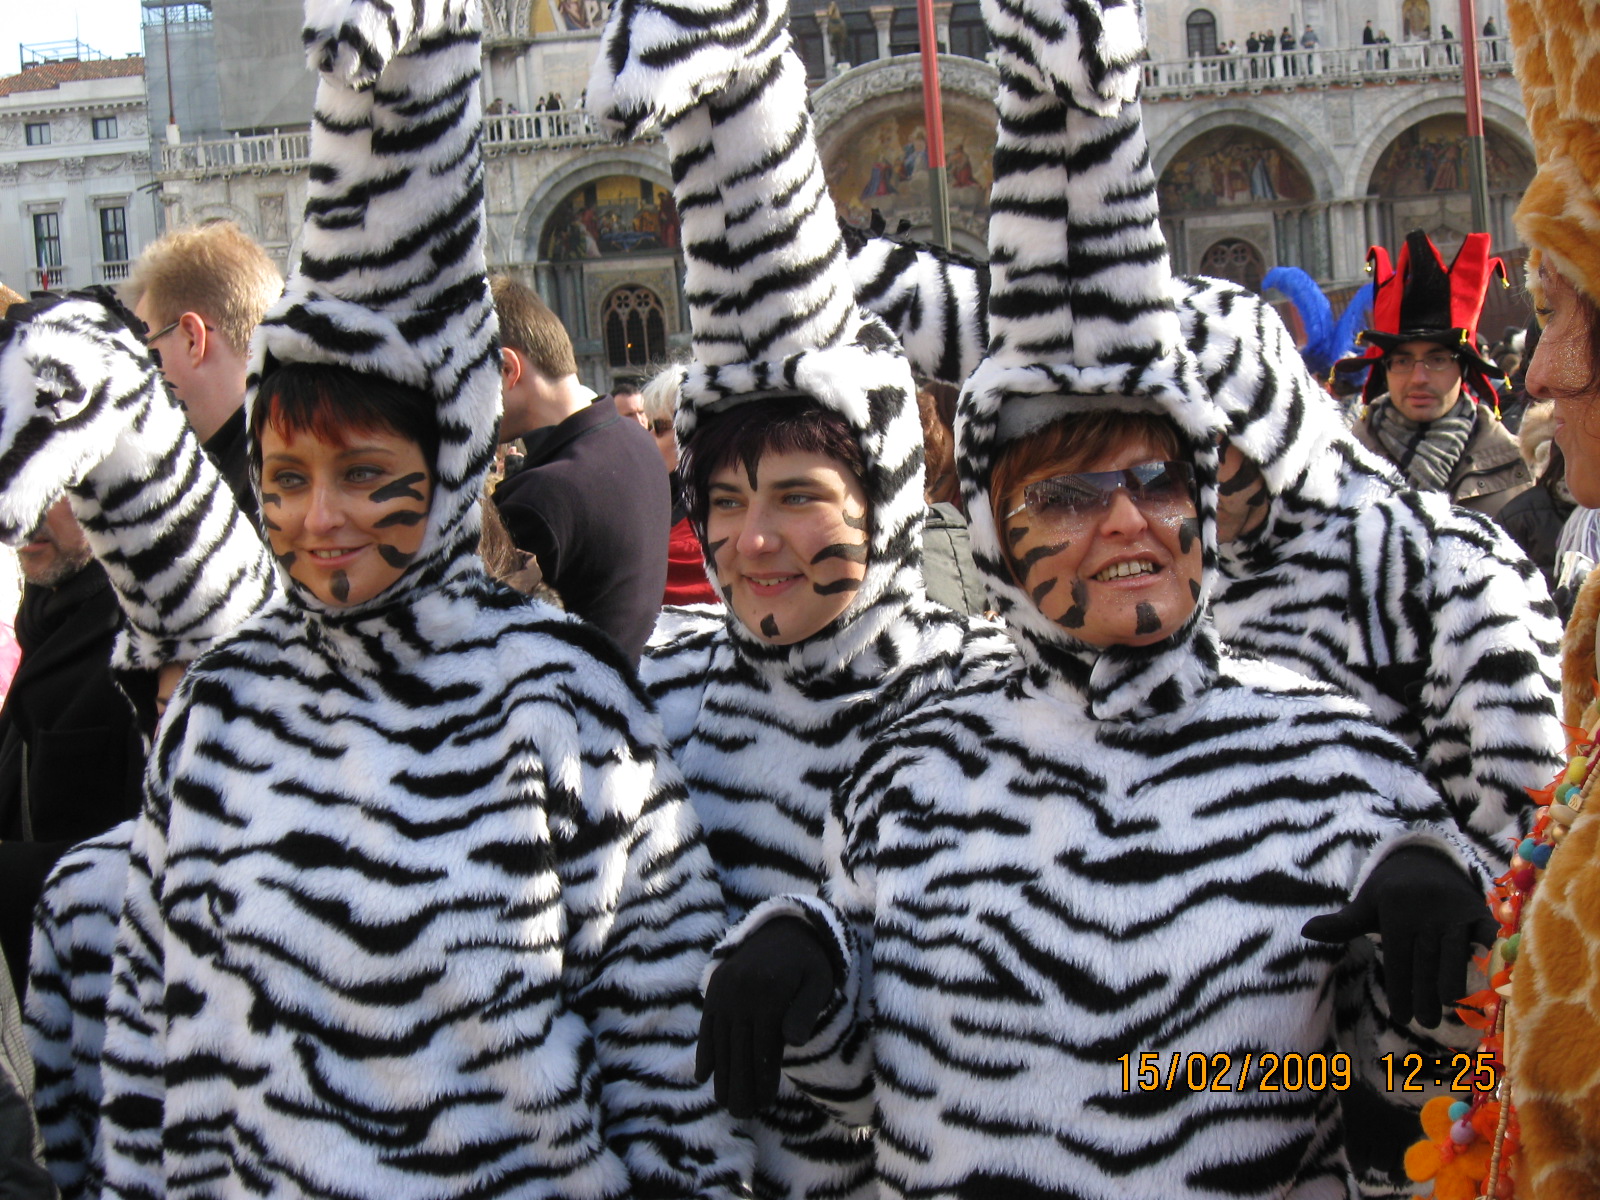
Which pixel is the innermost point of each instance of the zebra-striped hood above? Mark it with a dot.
(1080, 318)
(771, 304)
(395, 147)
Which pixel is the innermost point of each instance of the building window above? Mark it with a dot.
(114, 235)
(968, 36)
(860, 39)
(808, 45)
(105, 129)
(38, 133)
(1202, 27)
(636, 329)
(47, 247)
(1236, 260)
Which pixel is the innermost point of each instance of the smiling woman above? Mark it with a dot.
(345, 474)
(777, 493)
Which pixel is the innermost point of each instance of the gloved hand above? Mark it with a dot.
(1427, 912)
(767, 994)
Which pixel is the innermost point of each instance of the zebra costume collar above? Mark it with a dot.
(417, 311)
(771, 303)
(1080, 318)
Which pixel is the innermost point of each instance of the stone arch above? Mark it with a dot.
(216, 211)
(554, 188)
(1310, 158)
(1507, 121)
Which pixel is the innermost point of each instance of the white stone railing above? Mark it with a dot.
(113, 272)
(259, 153)
(47, 279)
(241, 154)
(1320, 68)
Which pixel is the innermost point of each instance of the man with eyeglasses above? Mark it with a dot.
(201, 291)
(1431, 401)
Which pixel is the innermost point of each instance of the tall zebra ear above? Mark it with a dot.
(352, 41)
(1088, 55)
(657, 61)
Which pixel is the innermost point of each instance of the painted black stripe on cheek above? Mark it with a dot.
(1188, 533)
(1017, 532)
(1073, 618)
(856, 553)
(272, 498)
(1145, 620)
(769, 627)
(1194, 589)
(1028, 561)
(404, 488)
(712, 548)
(727, 595)
(833, 589)
(267, 524)
(287, 559)
(1044, 589)
(395, 558)
(410, 518)
(340, 586)
(855, 522)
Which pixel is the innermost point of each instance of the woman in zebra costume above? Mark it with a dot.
(83, 413)
(1109, 848)
(1329, 565)
(767, 708)
(416, 906)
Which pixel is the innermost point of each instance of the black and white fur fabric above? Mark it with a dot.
(1095, 853)
(417, 907)
(766, 734)
(83, 408)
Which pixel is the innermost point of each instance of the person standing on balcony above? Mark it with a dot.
(1252, 47)
(1308, 43)
(1446, 36)
(1286, 45)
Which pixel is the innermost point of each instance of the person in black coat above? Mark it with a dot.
(71, 755)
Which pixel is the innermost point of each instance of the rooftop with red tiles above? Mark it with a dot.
(43, 77)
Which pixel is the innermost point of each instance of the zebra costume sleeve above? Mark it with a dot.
(83, 413)
(69, 976)
(416, 906)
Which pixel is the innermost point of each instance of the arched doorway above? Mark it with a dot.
(1416, 20)
(1421, 182)
(1236, 260)
(635, 328)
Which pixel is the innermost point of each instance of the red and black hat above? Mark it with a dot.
(1422, 300)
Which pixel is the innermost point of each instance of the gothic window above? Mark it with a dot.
(1202, 28)
(1236, 260)
(636, 328)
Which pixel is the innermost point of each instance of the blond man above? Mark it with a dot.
(202, 290)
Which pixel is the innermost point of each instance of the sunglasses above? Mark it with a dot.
(661, 426)
(1159, 487)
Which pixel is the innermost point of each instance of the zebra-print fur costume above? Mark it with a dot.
(1095, 853)
(416, 905)
(1428, 614)
(766, 734)
(187, 569)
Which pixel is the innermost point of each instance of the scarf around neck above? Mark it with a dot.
(1425, 451)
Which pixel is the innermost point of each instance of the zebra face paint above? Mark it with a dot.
(789, 542)
(1242, 497)
(1122, 575)
(345, 520)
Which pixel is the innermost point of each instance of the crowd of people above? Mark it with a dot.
(966, 730)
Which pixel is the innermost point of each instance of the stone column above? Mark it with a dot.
(941, 24)
(883, 21)
(821, 15)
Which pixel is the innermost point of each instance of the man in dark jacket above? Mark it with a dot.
(1427, 374)
(592, 502)
(70, 751)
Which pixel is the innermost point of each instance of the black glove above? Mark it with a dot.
(1427, 912)
(767, 994)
